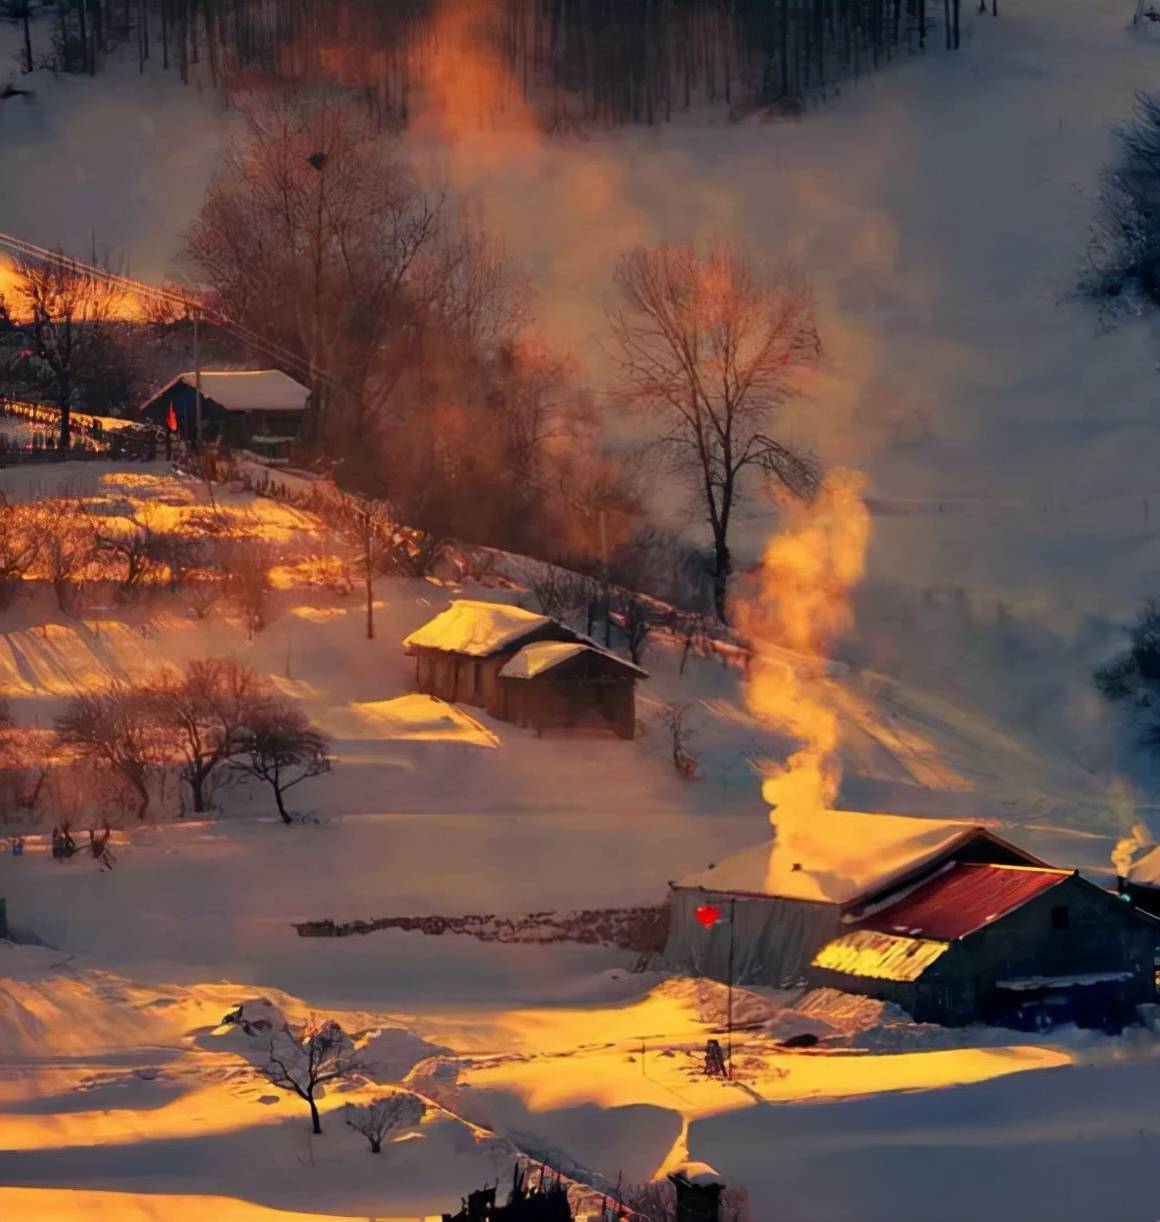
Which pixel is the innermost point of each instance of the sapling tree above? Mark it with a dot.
(280, 747)
(675, 720)
(377, 1120)
(368, 525)
(305, 1061)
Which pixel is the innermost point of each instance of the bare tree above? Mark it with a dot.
(20, 546)
(247, 572)
(368, 525)
(281, 748)
(206, 710)
(674, 718)
(301, 1062)
(381, 1117)
(312, 233)
(637, 621)
(67, 545)
(117, 729)
(66, 318)
(710, 347)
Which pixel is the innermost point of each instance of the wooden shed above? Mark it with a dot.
(261, 408)
(567, 684)
(988, 942)
(523, 667)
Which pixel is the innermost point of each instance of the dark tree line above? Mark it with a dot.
(1124, 247)
(591, 61)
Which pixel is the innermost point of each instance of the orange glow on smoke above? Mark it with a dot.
(466, 88)
(801, 607)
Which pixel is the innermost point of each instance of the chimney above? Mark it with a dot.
(698, 1193)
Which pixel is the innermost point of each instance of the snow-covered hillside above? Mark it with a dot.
(940, 209)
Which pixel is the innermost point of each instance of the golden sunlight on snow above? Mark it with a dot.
(414, 718)
(58, 1204)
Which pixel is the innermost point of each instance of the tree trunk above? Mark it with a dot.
(315, 1122)
(376, 1145)
(196, 779)
(27, 43)
(370, 598)
(722, 566)
(281, 804)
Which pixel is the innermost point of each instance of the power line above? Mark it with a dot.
(188, 302)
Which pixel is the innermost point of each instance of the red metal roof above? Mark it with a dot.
(961, 899)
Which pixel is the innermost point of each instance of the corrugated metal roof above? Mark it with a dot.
(882, 956)
(962, 898)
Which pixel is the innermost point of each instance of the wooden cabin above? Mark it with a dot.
(262, 409)
(524, 668)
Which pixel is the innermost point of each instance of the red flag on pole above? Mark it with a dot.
(171, 420)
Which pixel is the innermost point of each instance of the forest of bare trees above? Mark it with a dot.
(599, 61)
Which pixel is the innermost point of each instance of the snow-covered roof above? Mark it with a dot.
(475, 628)
(832, 856)
(1146, 871)
(249, 390)
(541, 656)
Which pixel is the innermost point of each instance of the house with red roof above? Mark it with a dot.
(983, 941)
(946, 919)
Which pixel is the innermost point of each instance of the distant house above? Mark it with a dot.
(525, 668)
(261, 410)
(978, 941)
(796, 892)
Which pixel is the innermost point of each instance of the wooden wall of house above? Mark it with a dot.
(1072, 929)
(547, 703)
(460, 679)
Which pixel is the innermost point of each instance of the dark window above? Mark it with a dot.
(1059, 917)
(477, 679)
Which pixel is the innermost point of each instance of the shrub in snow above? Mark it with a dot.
(377, 1120)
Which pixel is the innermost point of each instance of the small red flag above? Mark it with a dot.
(708, 914)
(171, 420)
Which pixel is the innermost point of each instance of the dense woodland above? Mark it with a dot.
(584, 61)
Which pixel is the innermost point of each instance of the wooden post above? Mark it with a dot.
(729, 996)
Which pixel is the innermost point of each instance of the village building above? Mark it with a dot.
(524, 668)
(995, 942)
(946, 919)
(260, 410)
(789, 896)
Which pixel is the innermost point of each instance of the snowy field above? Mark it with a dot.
(941, 208)
(121, 1092)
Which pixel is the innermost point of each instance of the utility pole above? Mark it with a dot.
(729, 996)
(604, 574)
(197, 382)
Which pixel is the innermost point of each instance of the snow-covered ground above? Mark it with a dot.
(941, 208)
